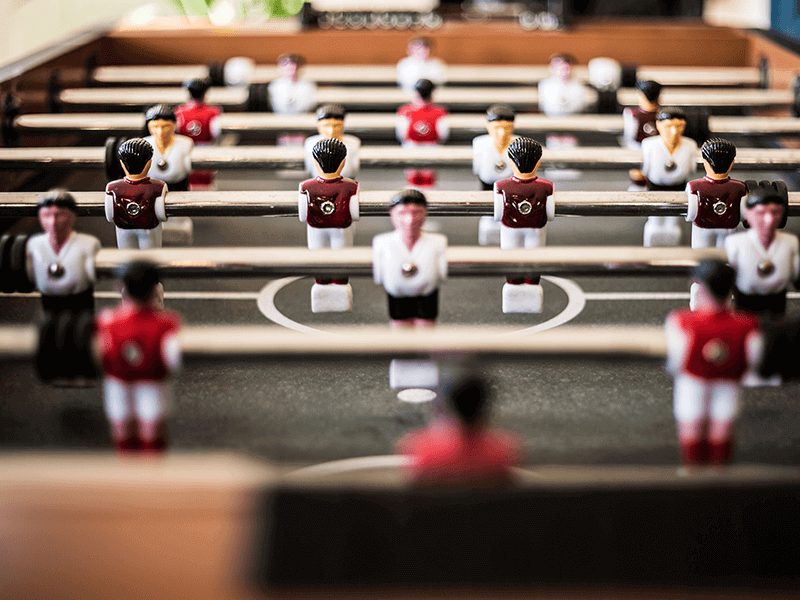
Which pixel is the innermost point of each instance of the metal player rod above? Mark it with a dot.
(463, 261)
(261, 341)
(456, 74)
(524, 97)
(371, 124)
(272, 157)
(375, 203)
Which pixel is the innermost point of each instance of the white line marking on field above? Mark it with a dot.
(637, 295)
(167, 295)
(576, 301)
(266, 304)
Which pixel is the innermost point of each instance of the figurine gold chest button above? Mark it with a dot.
(193, 128)
(500, 166)
(670, 166)
(55, 270)
(524, 207)
(133, 209)
(765, 268)
(719, 207)
(715, 352)
(422, 128)
(132, 354)
(327, 207)
(162, 164)
(409, 269)
(648, 128)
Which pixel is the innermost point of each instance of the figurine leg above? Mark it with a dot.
(178, 231)
(724, 410)
(331, 294)
(488, 231)
(690, 409)
(693, 289)
(702, 238)
(522, 295)
(127, 239)
(117, 404)
(150, 238)
(662, 231)
(151, 401)
(404, 374)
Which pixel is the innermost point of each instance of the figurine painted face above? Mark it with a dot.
(500, 132)
(764, 220)
(560, 68)
(57, 221)
(670, 130)
(419, 50)
(163, 130)
(408, 219)
(331, 128)
(288, 69)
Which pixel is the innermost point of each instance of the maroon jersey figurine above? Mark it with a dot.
(709, 351)
(523, 204)
(135, 204)
(199, 121)
(640, 122)
(328, 204)
(138, 350)
(422, 123)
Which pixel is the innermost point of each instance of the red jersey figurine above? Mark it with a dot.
(199, 121)
(460, 449)
(422, 123)
(709, 351)
(138, 350)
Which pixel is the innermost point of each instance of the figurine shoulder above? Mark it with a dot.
(436, 240)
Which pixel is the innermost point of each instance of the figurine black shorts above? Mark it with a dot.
(414, 307)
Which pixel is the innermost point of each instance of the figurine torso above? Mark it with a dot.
(329, 201)
(194, 121)
(422, 122)
(292, 97)
(668, 170)
(409, 273)
(762, 270)
(487, 163)
(132, 339)
(716, 342)
(174, 166)
(524, 201)
(71, 271)
(718, 202)
(559, 98)
(135, 201)
(351, 165)
(411, 69)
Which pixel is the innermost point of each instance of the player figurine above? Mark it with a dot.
(419, 65)
(330, 124)
(561, 95)
(60, 261)
(290, 95)
(460, 449)
(410, 264)
(135, 204)
(328, 204)
(200, 122)
(422, 123)
(709, 351)
(766, 260)
(172, 154)
(138, 349)
(523, 204)
(668, 161)
(640, 122)
(490, 162)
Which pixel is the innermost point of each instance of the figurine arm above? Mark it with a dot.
(628, 126)
(443, 129)
(550, 207)
(795, 259)
(89, 260)
(161, 208)
(187, 158)
(401, 128)
(443, 260)
(499, 203)
(109, 206)
(302, 204)
(377, 262)
(171, 352)
(754, 349)
(308, 159)
(354, 212)
(476, 156)
(693, 203)
(352, 157)
(29, 262)
(215, 128)
(677, 345)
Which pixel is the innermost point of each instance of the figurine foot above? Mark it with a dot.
(331, 297)
(657, 234)
(413, 374)
(693, 296)
(752, 380)
(177, 231)
(524, 298)
(488, 231)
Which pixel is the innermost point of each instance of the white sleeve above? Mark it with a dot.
(693, 203)
(308, 159)
(354, 212)
(187, 157)
(645, 159)
(754, 349)
(677, 345)
(352, 157)
(171, 352)
(476, 159)
(443, 260)
(215, 128)
(161, 208)
(302, 205)
(499, 204)
(109, 206)
(310, 97)
(550, 207)
(89, 264)
(401, 129)
(443, 129)
(795, 258)
(731, 252)
(377, 261)
(629, 126)
(29, 262)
